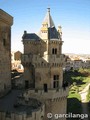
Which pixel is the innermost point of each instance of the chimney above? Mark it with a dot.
(25, 32)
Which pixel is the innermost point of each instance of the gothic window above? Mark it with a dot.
(55, 81)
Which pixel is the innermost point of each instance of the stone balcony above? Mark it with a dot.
(50, 94)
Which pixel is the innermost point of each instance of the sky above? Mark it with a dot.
(72, 15)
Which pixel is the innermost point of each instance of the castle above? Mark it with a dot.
(43, 63)
(6, 22)
(45, 92)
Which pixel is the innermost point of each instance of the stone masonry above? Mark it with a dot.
(43, 63)
(5, 52)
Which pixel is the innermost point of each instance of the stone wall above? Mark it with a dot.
(55, 100)
(5, 51)
(43, 71)
(39, 47)
(45, 76)
(33, 47)
(35, 115)
(56, 106)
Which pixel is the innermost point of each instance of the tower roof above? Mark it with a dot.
(52, 31)
(30, 36)
(48, 19)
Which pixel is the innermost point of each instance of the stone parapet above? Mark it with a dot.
(50, 94)
(5, 17)
(53, 60)
(35, 115)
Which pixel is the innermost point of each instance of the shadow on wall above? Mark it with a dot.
(74, 106)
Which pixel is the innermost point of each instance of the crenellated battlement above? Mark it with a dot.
(24, 115)
(50, 94)
(32, 41)
(37, 60)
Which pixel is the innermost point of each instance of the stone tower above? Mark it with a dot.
(5, 52)
(43, 67)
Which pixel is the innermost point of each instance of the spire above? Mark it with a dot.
(48, 29)
(48, 19)
(48, 10)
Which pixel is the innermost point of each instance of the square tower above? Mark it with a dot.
(43, 64)
(5, 52)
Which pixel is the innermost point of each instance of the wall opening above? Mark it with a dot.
(45, 88)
